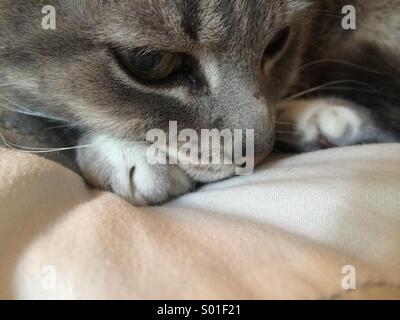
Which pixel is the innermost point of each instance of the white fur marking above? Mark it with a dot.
(110, 162)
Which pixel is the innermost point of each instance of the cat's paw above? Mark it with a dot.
(314, 124)
(123, 169)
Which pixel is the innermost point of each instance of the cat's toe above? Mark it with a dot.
(331, 126)
(307, 125)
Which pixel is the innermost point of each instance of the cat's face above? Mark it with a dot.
(124, 67)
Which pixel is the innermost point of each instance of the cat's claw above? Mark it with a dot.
(122, 168)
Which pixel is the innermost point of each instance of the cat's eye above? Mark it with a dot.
(151, 65)
(277, 44)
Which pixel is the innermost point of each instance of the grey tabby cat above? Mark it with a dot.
(285, 68)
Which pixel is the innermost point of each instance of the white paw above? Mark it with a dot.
(319, 123)
(122, 168)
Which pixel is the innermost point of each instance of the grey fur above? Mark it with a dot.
(71, 74)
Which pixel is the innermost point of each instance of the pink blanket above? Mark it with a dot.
(319, 225)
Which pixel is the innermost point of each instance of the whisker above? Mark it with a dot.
(34, 150)
(322, 86)
(57, 127)
(23, 149)
(351, 89)
(8, 84)
(68, 127)
(22, 110)
(285, 123)
(287, 132)
(344, 62)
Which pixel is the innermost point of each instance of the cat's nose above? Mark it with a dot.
(241, 108)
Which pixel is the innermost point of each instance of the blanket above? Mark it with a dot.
(322, 225)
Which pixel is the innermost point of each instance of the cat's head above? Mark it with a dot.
(125, 67)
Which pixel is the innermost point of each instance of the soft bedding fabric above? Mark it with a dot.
(285, 232)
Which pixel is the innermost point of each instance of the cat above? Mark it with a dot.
(287, 69)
